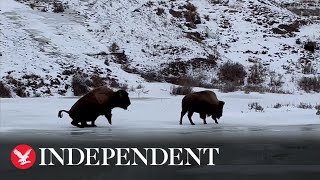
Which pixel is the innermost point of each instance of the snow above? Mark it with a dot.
(159, 117)
(47, 43)
(43, 43)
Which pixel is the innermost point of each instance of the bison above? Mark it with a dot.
(205, 103)
(99, 101)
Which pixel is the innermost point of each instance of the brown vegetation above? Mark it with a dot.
(4, 91)
(180, 90)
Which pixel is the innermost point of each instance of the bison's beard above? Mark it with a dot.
(219, 116)
(125, 107)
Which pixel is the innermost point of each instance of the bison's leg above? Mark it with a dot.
(75, 123)
(75, 120)
(203, 116)
(93, 124)
(84, 124)
(108, 115)
(183, 112)
(190, 113)
(215, 118)
(92, 119)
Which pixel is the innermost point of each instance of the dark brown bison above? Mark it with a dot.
(99, 101)
(205, 103)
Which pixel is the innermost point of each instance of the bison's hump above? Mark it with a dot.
(202, 97)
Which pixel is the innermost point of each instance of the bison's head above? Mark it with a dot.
(220, 109)
(121, 99)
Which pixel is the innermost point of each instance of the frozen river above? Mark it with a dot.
(277, 143)
(156, 118)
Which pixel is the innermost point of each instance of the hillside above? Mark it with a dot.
(127, 44)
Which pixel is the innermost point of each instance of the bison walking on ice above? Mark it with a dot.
(99, 101)
(205, 103)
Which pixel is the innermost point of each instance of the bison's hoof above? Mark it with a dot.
(217, 122)
(193, 124)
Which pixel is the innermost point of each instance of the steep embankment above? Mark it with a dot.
(96, 42)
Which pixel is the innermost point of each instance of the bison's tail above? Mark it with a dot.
(60, 113)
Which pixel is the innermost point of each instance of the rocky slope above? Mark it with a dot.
(52, 48)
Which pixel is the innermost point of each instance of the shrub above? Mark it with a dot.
(36, 95)
(308, 69)
(305, 106)
(254, 88)
(189, 80)
(278, 90)
(62, 92)
(317, 107)
(278, 105)
(215, 2)
(206, 17)
(298, 41)
(32, 5)
(229, 87)
(21, 91)
(114, 47)
(276, 80)
(180, 90)
(58, 7)
(160, 11)
(232, 72)
(176, 14)
(115, 84)
(4, 91)
(191, 15)
(151, 76)
(121, 58)
(132, 89)
(256, 106)
(140, 86)
(196, 36)
(307, 66)
(310, 46)
(97, 81)
(79, 86)
(257, 74)
(123, 86)
(310, 84)
(30, 76)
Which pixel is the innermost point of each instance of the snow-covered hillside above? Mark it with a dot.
(121, 41)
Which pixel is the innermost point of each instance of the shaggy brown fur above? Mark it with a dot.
(205, 103)
(99, 101)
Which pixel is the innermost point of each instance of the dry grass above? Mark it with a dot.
(4, 91)
(58, 7)
(257, 74)
(180, 90)
(304, 106)
(255, 106)
(231, 72)
(309, 84)
(79, 85)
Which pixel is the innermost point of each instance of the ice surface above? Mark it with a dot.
(159, 117)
